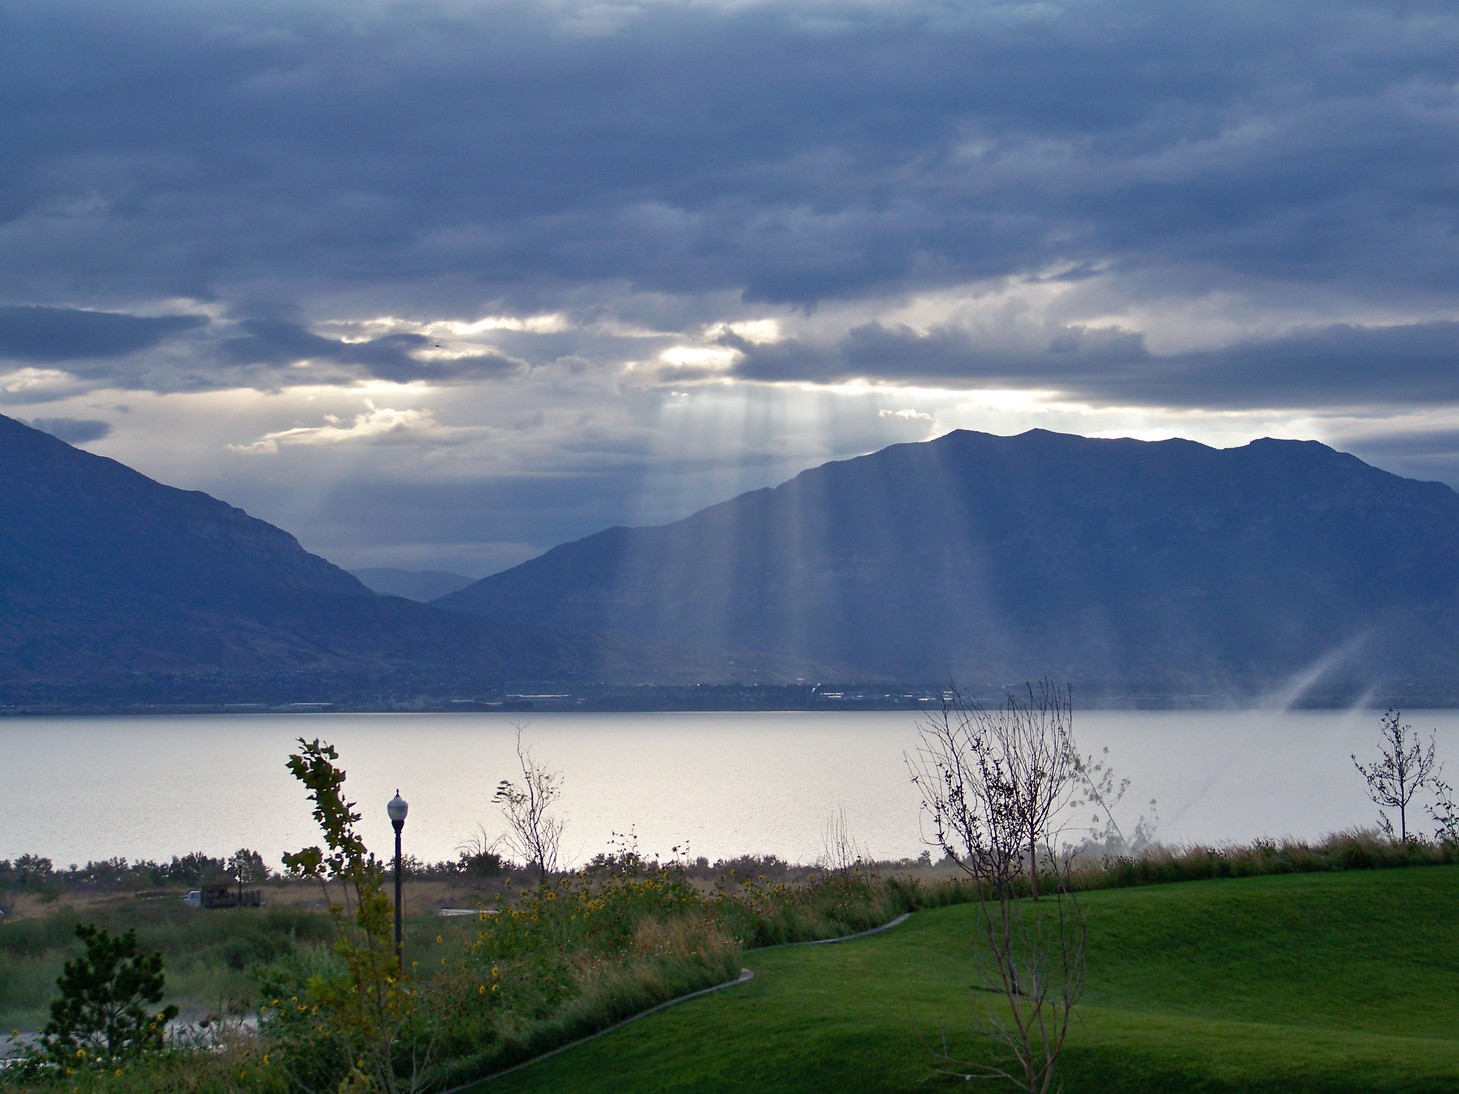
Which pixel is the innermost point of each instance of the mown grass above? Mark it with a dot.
(1305, 982)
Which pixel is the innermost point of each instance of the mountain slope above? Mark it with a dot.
(107, 576)
(1107, 562)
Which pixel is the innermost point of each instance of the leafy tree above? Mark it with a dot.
(362, 1004)
(32, 871)
(248, 866)
(194, 869)
(533, 834)
(1403, 768)
(106, 1012)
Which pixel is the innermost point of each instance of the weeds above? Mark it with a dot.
(543, 964)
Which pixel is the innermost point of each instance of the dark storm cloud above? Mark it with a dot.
(648, 171)
(790, 153)
(46, 334)
(73, 430)
(1337, 366)
(943, 356)
(280, 344)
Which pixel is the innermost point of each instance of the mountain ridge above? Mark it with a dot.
(1163, 567)
(110, 580)
(980, 557)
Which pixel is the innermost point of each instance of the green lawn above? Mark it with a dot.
(1315, 982)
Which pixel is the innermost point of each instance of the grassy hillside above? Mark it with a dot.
(1320, 982)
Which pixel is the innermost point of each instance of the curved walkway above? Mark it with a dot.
(746, 975)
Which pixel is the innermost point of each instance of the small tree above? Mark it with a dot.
(107, 1009)
(477, 856)
(362, 1004)
(991, 783)
(33, 871)
(533, 835)
(1403, 768)
(1019, 757)
(247, 866)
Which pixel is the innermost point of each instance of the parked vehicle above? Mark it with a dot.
(223, 895)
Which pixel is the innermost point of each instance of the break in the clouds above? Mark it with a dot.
(567, 254)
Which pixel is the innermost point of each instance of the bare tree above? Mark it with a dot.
(1098, 789)
(533, 835)
(841, 853)
(1020, 755)
(992, 783)
(1403, 768)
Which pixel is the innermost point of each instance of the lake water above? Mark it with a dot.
(94, 788)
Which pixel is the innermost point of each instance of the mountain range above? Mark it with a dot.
(1166, 566)
(1159, 568)
(115, 588)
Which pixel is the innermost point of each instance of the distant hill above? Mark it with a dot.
(1167, 566)
(113, 585)
(412, 584)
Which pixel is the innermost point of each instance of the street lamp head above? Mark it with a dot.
(397, 808)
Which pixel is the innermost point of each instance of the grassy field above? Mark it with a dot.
(1318, 982)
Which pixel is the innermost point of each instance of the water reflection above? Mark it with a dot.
(93, 788)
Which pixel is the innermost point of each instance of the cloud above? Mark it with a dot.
(51, 334)
(465, 152)
(1231, 217)
(73, 430)
(1335, 366)
(374, 425)
(1024, 354)
(400, 357)
(907, 414)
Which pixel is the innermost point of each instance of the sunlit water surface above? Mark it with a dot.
(93, 788)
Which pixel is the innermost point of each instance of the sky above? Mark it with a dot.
(440, 284)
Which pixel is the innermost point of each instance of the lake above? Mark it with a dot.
(725, 784)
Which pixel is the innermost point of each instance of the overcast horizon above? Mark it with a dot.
(442, 284)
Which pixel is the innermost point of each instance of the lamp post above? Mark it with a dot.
(397, 808)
